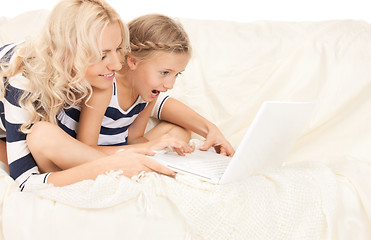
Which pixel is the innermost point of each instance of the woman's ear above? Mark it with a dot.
(131, 62)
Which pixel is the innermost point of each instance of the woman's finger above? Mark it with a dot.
(156, 167)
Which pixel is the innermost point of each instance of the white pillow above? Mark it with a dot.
(22, 26)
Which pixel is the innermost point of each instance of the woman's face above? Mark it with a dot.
(100, 75)
(158, 74)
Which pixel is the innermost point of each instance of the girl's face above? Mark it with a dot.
(100, 75)
(157, 74)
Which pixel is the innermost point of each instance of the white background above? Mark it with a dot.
(234, 10)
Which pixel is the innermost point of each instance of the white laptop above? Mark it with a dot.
(265, 145)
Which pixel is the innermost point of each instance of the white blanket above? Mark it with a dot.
(323, 192)
(304, 200)
(271, 205)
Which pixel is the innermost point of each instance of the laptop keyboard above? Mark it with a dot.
(212, 167)
(205, 163)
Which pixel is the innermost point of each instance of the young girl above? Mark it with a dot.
(80, 48)
(160, 51)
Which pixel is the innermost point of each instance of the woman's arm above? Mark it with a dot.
(22, 166)
(3, 155)
(65, 160)
(130, 162)
(178, 113)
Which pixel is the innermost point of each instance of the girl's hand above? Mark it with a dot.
(168, 141)
(215, 138)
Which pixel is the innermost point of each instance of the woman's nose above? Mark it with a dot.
(115, 62)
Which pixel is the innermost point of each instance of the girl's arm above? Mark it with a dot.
(90, 123)
(91, 116)
(136, 135)
(136, 139)
(137, 128)
(178, 113)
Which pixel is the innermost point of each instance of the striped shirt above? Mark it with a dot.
(22, 166)
(115, 123)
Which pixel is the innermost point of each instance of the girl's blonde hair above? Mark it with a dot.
(154, 32)
(57, 61)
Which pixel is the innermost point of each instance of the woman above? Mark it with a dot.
(80, 46)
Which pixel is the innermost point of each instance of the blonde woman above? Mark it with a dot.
(160, 51)
(80, 48)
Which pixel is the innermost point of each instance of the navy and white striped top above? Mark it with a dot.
(115, 123)
(22, 166)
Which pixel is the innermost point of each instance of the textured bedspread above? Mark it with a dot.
(304, 200)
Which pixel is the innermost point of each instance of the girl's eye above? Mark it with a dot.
(103, 57)
(164, 73)
(180, 73)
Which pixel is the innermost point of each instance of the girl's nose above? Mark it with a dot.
(169, 84)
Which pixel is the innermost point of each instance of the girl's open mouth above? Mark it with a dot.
(155, 93)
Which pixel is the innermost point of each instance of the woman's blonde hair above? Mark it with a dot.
(154, 32)
(56, 62)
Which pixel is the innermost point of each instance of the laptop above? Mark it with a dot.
(265, 145)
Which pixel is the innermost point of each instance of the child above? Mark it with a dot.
(160, 51)
(79, 49)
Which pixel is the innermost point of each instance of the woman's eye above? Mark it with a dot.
(180, 73)
(164, 73)
(103, 57)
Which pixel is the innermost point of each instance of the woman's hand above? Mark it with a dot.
(133, 161)
(215, 138)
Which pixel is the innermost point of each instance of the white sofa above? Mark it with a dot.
(323, 190)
